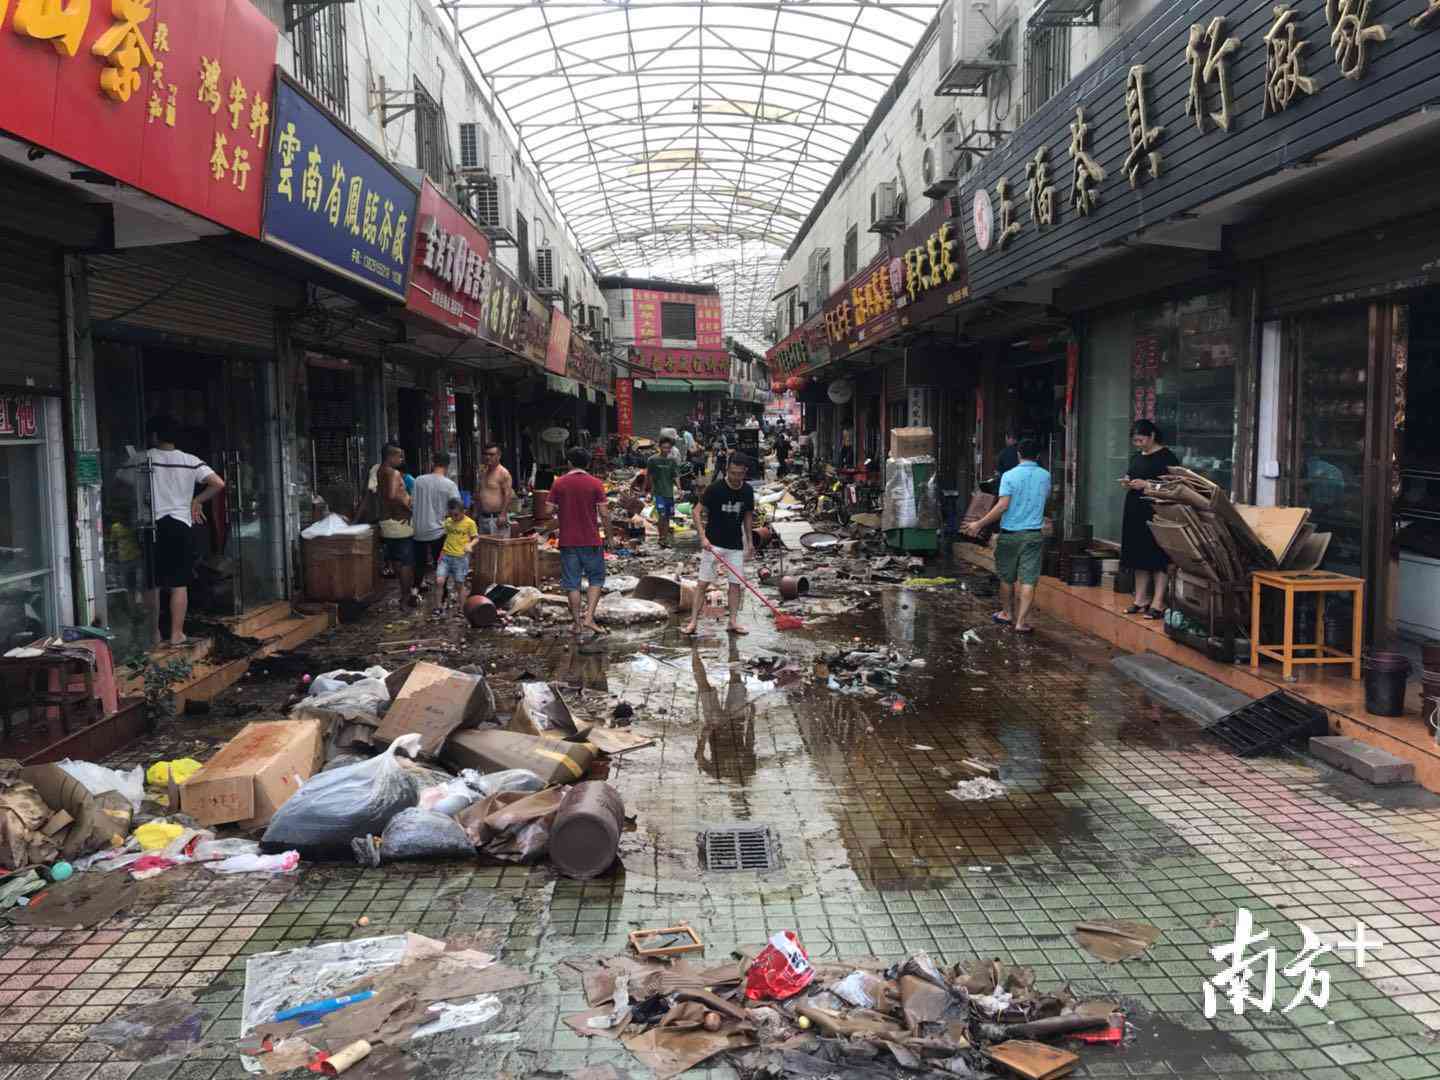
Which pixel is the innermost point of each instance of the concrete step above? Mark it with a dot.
(1370, 763)
(291, 633)
(1197, 696)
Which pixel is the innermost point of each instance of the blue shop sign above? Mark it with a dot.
(329, 199)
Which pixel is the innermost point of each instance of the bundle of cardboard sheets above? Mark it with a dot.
(1210, 538)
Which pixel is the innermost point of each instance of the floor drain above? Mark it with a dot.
(739, 847)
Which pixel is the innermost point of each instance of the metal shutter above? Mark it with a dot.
(192, 292)
(31, 311)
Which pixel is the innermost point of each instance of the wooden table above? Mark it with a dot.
(1318, 582)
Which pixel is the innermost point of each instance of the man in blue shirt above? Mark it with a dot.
(1020, 510)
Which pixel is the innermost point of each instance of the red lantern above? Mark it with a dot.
(798, 383)
(777, 385)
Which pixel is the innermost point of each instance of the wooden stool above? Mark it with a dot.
(1318, 582)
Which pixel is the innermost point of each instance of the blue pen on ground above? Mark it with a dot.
(315, 1009)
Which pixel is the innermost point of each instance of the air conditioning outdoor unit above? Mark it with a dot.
(545, 269)
(474, 149)
(491, 207)
(885, 213)
(966, 64)
(940, 164)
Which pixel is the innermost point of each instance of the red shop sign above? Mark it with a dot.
(169, 96)
(451, 276)
(625, 407)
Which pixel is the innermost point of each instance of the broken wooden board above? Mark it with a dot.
(1277, 526)
(614, 741)
(1033, 1060)
(1113, 940)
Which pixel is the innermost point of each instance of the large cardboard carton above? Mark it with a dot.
(96, 821)
(253, 774)
(434, 701)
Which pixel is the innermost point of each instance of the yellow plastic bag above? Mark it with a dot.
(181, 769)
(154, 835)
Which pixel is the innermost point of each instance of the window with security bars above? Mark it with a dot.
(1047, 64)
(319, 40)
(677, 321)
(852, 252)
(430, 149)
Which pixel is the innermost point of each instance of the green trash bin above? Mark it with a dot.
(916, 540)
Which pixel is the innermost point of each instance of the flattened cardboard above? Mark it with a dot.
(253, 774)
(434, 701)
(100, 821)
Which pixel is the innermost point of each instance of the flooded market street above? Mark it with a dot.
(1111, 807)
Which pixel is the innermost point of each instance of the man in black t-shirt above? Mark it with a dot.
(725, 518)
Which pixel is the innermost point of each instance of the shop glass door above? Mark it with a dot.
(27, 561)
(252, 525)
(1330, 353)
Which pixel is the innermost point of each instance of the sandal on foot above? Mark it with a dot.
(1134, 609)
(1001, 618)
(1151, 613)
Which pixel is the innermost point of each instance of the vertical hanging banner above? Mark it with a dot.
(172, 97)
(331, 200)
(558, 350)
(625, 407)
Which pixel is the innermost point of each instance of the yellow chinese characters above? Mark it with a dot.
(337, 193)
(872, 296)
(123, 48)
(310, 180)
(259, 120)
(219, 164)
(56, 21)
(238, 97)
(209, 91)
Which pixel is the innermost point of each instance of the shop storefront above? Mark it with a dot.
(890, 329)
(673, 386)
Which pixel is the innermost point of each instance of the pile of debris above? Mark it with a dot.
(776, 1014)
(371, 765)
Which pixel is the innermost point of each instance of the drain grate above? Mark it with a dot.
(1268, 724)
(739, 847)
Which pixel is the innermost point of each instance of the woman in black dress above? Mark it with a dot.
(1138, 550)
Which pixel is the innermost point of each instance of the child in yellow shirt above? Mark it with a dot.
(461, 536)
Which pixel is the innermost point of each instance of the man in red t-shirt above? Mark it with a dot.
(579, 501)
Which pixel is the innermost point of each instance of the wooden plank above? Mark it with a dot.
(1276, 526)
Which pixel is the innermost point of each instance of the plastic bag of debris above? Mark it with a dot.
(349, 694)
(333, 525)
(333, 808)
(414, 833)
(522, 780)
(909, 505)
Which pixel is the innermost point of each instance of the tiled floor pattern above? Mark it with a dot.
(1114, 810)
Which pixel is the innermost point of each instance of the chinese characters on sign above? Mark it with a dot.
(1041, 193)
(683, 363)
(1143, 138)
(625, 407)
(1008, 225)
(1211, 65)
(349, 211)
(1084, 171)
(1236, 980)
(1144, 371)
(120, 86)
(1284, 75)
(1350, 33)
(18, 417)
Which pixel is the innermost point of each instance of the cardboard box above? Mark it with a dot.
(434, 701)
(908, 442)
(253, 774)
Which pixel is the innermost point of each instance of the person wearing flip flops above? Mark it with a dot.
(580, 504)
(166, 479)
(725, 520)
(1020, 510)
(1138, 550)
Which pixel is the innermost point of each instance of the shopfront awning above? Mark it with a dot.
(684, 386)
(559, 384)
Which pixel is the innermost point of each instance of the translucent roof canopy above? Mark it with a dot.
(688, 138)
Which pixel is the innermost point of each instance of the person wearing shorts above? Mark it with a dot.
(431, 495)
(725, 519)
(396, 528)
(661, 470)
(1020, 546)
(461, 536)
(579, 499)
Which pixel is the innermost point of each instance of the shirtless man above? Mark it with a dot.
(493, 494)
(396, 528)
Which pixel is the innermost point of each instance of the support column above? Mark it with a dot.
(87, 529)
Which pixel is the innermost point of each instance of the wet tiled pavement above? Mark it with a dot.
(1115, 808)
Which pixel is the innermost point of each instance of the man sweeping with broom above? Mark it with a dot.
(725, 518)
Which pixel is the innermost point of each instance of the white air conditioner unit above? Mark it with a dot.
(970, 63)
(490, 206)
(940, 163)
(545, 269)
(474, 149)
(885, 212)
